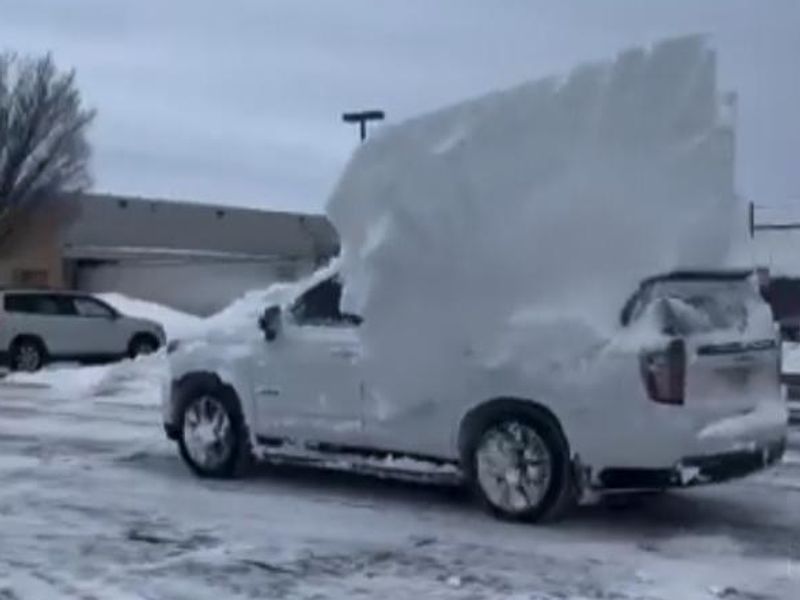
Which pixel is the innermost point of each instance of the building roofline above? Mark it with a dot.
(94, 195)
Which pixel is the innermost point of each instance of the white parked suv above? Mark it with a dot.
(702, 403)
(37, 327)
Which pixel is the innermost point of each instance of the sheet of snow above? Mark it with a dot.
(555, 199)
(176, 323)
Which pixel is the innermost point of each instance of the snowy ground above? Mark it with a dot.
(94, 503)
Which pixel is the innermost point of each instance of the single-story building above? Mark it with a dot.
(195, 257)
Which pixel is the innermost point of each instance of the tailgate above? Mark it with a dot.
(733, 354)
(728, 378)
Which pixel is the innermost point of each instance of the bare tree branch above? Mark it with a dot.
(43, 146)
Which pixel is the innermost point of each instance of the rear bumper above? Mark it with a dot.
(696, 470)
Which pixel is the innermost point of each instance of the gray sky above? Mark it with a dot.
(238, 102)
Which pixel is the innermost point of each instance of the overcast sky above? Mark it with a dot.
(238, 102)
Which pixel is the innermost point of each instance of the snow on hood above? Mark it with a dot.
(239, 319)
(177, 324)
(554, 198)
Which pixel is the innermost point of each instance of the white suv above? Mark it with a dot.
(701, 403)
(37, 327)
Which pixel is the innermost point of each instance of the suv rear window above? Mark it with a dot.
(38, 304)
(701, 307)
(686, 307)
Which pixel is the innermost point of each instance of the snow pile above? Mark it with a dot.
(535, 210)
(93, 381)
(177, 324)
(69, 381)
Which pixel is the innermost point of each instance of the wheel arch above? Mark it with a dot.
(193, 382)
(193, 385)
(481, 414)
(21, 337)
(143, 335)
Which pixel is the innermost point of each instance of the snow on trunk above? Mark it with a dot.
(537, 210)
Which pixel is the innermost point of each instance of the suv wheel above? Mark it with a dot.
(27, 355)
(519, 467)
(212, 435)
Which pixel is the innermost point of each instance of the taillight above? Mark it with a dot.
(664, 373)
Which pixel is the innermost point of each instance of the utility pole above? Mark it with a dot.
(361, 117)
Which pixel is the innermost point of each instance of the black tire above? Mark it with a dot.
(28, 354)
(142, 344)
(238, 455)
(558, 495)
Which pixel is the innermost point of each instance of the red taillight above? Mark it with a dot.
(664, 373)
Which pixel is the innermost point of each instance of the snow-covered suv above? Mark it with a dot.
(40, 326)
(686, 391)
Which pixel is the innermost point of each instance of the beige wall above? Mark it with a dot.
(31, 254)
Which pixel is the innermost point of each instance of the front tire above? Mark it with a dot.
(212, 436)
(519, 467)
(28, 355)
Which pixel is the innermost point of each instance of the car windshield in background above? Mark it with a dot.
(696, 307)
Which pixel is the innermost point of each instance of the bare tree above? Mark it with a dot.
(43, 148)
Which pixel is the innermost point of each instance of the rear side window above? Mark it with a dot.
(39, 304)
(18, 303)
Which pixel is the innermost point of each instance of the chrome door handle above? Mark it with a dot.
(348, 353)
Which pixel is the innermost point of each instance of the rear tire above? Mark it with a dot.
(28, 355)
(519, 467)
(212, 436)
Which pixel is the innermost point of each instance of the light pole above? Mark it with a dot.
(361, 117)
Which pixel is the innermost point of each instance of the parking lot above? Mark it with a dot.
(95, 503)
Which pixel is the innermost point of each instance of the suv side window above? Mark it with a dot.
(91, 308)
(53, 306)
(39, 304)
(320, 306)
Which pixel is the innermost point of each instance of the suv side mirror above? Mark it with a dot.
(270, 323)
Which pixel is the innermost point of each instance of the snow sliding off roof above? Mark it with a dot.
(576, 186)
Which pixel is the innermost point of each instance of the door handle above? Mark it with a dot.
(268, 391)
(347, 353)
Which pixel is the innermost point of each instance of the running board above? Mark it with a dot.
(372, 463)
